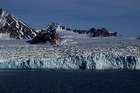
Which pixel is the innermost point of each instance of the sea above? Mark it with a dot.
(63, 81)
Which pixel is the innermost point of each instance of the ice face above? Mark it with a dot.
(24, 56)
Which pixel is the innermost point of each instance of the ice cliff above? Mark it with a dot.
(69, 57)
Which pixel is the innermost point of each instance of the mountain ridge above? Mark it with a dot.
(13, 27)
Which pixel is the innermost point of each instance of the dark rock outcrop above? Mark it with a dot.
(101, 32)
(14, 27)
(80, 31)
(93, 32)
(48, 35)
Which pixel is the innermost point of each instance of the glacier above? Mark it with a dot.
(68, 57)
(73, 52)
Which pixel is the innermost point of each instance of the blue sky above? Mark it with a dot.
(122, 16)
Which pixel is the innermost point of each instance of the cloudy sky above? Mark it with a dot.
(122, 16)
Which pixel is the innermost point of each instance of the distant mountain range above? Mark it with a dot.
(12, 27)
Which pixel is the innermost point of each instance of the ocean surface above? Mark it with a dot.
(53, 81)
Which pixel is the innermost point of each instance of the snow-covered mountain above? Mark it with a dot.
(11, 27)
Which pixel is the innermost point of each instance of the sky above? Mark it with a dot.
(122, 16)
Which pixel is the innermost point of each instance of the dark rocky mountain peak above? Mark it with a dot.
(12, 27)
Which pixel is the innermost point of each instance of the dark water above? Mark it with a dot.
(69, 81)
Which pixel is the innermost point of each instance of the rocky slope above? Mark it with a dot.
(46, 35)
(11, 27)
